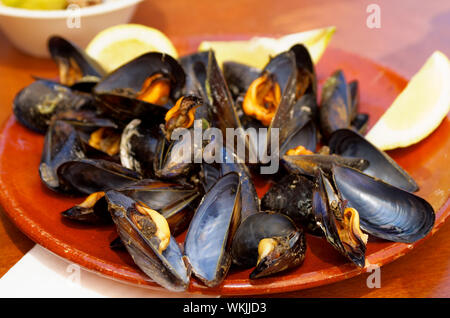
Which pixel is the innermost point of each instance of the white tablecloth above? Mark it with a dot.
(42, 274)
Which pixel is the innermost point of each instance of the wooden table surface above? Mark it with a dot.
(410, 31)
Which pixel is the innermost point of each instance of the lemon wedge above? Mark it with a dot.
(122, 43)
(418, 109)
(257, 51)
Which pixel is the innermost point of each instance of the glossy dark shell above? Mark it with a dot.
(139, 147)
(119, 90)
(385, 211)
(87, 176)
(61, 144)
(325, 199)
(239, 76)
(348, 143)
(208, 240)
(268, 225)
(292, 196)
(64, 50)
(35, 104)
(335, 108)
(166, 268)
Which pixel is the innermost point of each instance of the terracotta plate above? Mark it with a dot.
(36, 210)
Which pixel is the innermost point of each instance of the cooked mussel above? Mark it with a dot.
(336, 109)
(303, 161)
(175, 202)
(146, 235)
(36, 104)
(385, 211)
(93, 210)
(348, 143)
(87, 176)
(61, 144)
(239, 77)
(195, 66)
(75, 66)
(339, 223)
(270, 242)
(292, 196)
(142, 87)
(138, 147)
(210, 234)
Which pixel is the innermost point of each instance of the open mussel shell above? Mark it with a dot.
(61, 144)
(176, 158)
(175, 202)
(300, 135)
(308, 164)
(119, 92)
(93, 210)
(270, 242)
(138, 147)
(292, 196)
(87, 176)
(76, 68)
(36, 104)
(250, 203)
(335, 109)
(329, 210)
(137, 232)
(208, 240)
(239, 76)
(385, 211)
(348, 143)
(219, 96)
(195, 65)
(283, 65)
(306, 74)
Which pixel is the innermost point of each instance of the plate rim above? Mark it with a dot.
(93, 264)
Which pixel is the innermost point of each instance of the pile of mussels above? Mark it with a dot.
(108, 137)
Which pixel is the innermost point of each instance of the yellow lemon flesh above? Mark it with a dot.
(418, 110)
(120, 44)
(37, 4)
(257, 51)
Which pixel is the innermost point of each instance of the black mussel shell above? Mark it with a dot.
(249, 198)
(61, 144)
(300, 135)
(289, 252)
(239, 76)
(328, 208)
(335, 108)
(36, 104)
(119, 90)
(87, 176)
(67, 55)
(360, 123)
(306, 74)
(195, 65)
(292, 196)
(165, 267)
(348, 143)
(139, 147)
(353, 88)
(93, 210)
(385, 211)
(175, 202)
(308, 164)
(208, 240)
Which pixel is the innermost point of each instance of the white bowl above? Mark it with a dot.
(29, 30)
